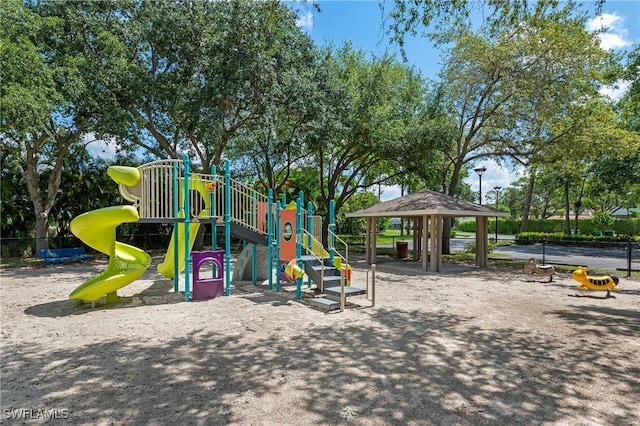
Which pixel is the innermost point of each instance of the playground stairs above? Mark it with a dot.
(327, 278)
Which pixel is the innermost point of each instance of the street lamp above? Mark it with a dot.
(480, 171)
(497, 189)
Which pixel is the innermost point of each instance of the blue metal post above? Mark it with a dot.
(270, 235)
(332, 228)
(214, 212)
(309, 222)
(254, 248)
(187, 237)
(277, 238)
(176, 210)
(310, 232)
(299, 242)
(227, 227)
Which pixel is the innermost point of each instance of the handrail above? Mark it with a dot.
(320, 259)
(344, 259)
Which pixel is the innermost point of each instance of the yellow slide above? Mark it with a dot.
(166, 267)
(97, 229)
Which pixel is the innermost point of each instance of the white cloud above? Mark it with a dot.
(389, 192)
(305, 21)
(606, 20)
(99, 148)
(496, 175)
(612, 41)
(616, 90)
(612, 34)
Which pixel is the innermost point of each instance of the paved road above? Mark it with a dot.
(606, 258)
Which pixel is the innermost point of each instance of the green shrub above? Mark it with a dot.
(505, 225)
(467, 226)
(538, 237)
(551, 226)
(471, 247)
(602, 220)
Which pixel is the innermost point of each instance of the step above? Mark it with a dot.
(331, 281)
(348, 291)
(311, 260)
(324, 304)
(329, 271)
(316, 261)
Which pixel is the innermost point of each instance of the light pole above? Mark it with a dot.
(480, 171)
(497, 189)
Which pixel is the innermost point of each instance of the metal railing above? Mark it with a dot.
(315, 249)
(243, 206)
(344, 260)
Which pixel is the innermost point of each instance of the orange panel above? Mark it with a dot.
(287, 235)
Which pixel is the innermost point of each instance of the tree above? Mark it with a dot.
(442, 21)
(612, 180)
(602, 220)
(202, 72)
(270, 150)
(355, 225)
(16, 208)
(370, 104)
(522, 84)
(629, 104)
(50, 90)
(84, 186)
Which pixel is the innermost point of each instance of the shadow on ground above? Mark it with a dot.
(397, 367)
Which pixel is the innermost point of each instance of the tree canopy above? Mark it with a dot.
(240, 80)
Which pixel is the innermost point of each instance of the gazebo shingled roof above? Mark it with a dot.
(427, 202)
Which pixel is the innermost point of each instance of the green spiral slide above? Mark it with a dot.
(97, 229)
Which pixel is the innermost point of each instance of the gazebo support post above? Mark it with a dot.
(367, 242)
(482, 227)
(436, 243)
(374, 234)
(425, 235)
(370, 240)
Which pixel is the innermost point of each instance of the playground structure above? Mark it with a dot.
(166, 191)
(599, 283)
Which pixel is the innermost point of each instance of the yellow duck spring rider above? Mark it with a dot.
(599, 283)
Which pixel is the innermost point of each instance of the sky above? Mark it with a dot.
(360, 22)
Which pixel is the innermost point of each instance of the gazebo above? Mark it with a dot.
(428, 210)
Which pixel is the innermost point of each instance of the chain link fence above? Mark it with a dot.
(620, 256)
(25, 247)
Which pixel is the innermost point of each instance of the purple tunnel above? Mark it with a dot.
(208, 288)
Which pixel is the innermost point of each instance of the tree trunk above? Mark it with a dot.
(42, 231)
(527, 201)
(44, 201)
(325, 233)
(578, 207)
(446, 222)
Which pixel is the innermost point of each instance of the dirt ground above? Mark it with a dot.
(470, 347)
